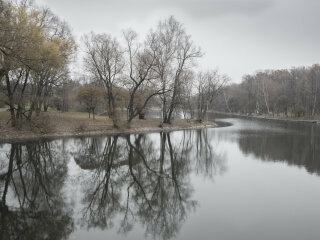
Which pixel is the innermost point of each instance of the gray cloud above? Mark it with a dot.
(198, 8)
(213, 8)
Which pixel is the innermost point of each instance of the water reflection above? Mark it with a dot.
(31, 204)
(295, 144)
(125, 180)
(145, 178)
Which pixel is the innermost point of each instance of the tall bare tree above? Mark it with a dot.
(209, 85)
(176, 53)
(141, 79)
(104, 60)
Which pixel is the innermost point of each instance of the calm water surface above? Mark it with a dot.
(251, 180)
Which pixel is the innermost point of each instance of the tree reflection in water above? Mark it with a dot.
(32, 207)
(125, 179)
(140, 177)
(299, 145)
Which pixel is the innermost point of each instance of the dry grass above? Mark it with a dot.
(57, 123)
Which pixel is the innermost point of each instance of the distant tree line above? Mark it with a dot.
(289, 92)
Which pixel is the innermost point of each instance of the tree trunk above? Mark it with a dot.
(38, 108)
(45, 107)
(13, 116)
(164, 109)
(30, 111)
(314, 104)
(130, 107)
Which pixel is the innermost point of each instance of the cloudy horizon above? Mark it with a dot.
(237, 36)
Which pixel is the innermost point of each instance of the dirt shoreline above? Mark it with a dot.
(109, 132)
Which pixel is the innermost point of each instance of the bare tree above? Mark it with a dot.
(210, 84)
(187, 97)
(141, 79)
(104, 60)
(175, 54)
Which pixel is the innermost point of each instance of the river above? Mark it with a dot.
(247, 180)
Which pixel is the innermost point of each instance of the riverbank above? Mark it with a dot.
(57, 124)
(266, 118)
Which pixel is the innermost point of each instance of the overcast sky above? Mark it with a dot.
(237, 36)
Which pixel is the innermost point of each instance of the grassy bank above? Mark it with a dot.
(56, 124)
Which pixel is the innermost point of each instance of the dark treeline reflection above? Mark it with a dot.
(143, 178)
(299, 145)
(31, 205)
(124, 180)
